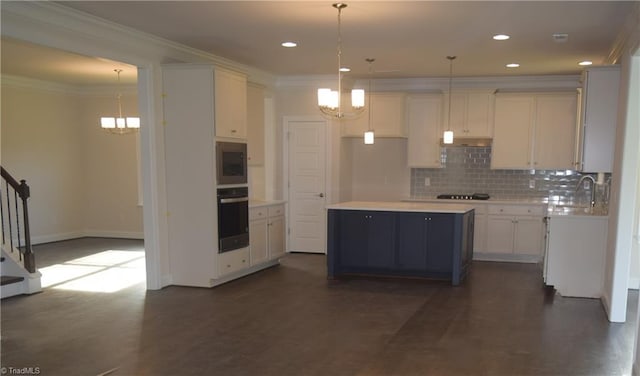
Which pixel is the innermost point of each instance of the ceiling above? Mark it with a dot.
(407, 38)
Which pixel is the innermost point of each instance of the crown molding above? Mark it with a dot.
(55, 87)
(54, 25)
(628, 40)
(439, 84)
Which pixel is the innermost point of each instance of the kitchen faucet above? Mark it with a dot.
(593, 188)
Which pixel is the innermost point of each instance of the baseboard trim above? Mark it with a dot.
(85, 234)
(113, 234)
(506, 257)
(605, 304)
(56, 237)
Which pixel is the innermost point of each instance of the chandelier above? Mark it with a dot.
(329, 101)
(119, 124)
(447, 137)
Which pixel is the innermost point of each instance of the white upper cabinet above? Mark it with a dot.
(513, 131)
(230, 104)
(555, 131)
(471, 113)
(387, 117)
(424, 116)
(534, 131)
(596, 144)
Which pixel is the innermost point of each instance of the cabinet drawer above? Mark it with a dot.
(537, 210)
(276, 210)
(233, 261)
(257, 213)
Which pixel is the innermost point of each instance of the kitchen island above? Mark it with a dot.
(403, 239)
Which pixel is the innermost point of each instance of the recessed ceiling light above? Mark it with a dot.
(513, 65)
(501, 37)
(345, 69)
(586, 62)
(289, 44)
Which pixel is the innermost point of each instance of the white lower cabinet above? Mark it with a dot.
(575, 260)
(267, 233)
(480, 228)
(516, 230)
(276, 236)
(233, 261)
(258, 249)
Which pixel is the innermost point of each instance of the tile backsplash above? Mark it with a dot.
(467, 170)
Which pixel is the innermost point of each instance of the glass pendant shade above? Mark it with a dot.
(369, 138)
(448, 137)
(357, 98)
(119, 122)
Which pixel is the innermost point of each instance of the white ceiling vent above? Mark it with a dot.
(560, 37)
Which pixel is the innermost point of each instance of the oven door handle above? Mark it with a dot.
(232, 200)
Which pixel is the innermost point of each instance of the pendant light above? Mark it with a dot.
(329, 101)
(448, 134)
(119, 124)
(369, 136)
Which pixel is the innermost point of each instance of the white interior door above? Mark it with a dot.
(307, 196)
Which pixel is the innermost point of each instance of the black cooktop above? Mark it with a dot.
(475, 196)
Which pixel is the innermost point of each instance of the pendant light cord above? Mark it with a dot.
(451, 58)
(119, 96)
(370, 61)
(339, 6)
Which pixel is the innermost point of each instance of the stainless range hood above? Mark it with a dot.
(468, 141)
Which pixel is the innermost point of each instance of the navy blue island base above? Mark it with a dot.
(400, 239)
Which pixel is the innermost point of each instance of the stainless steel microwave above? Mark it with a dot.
(231, 162)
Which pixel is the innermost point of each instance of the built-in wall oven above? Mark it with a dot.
(231, 163)
(233, 218)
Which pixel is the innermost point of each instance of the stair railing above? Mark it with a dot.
(15, 223)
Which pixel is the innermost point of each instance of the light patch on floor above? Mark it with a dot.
(107, 272)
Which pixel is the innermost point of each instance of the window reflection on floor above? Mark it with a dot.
(107, 272)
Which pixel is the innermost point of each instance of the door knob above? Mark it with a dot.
(321, 195)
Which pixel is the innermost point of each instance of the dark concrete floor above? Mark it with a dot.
(289, 320)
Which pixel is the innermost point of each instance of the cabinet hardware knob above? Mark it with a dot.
(321, 195)
(233, 131)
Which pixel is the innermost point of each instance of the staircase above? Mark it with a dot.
(17, 264)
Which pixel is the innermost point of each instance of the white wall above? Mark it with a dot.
(83, 181)
(623, 188)
(42, 143)
(110, 165)
(380, 171)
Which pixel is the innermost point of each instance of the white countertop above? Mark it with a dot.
(259, 203)
(553, 210)
(577, 211)
(403, 206)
